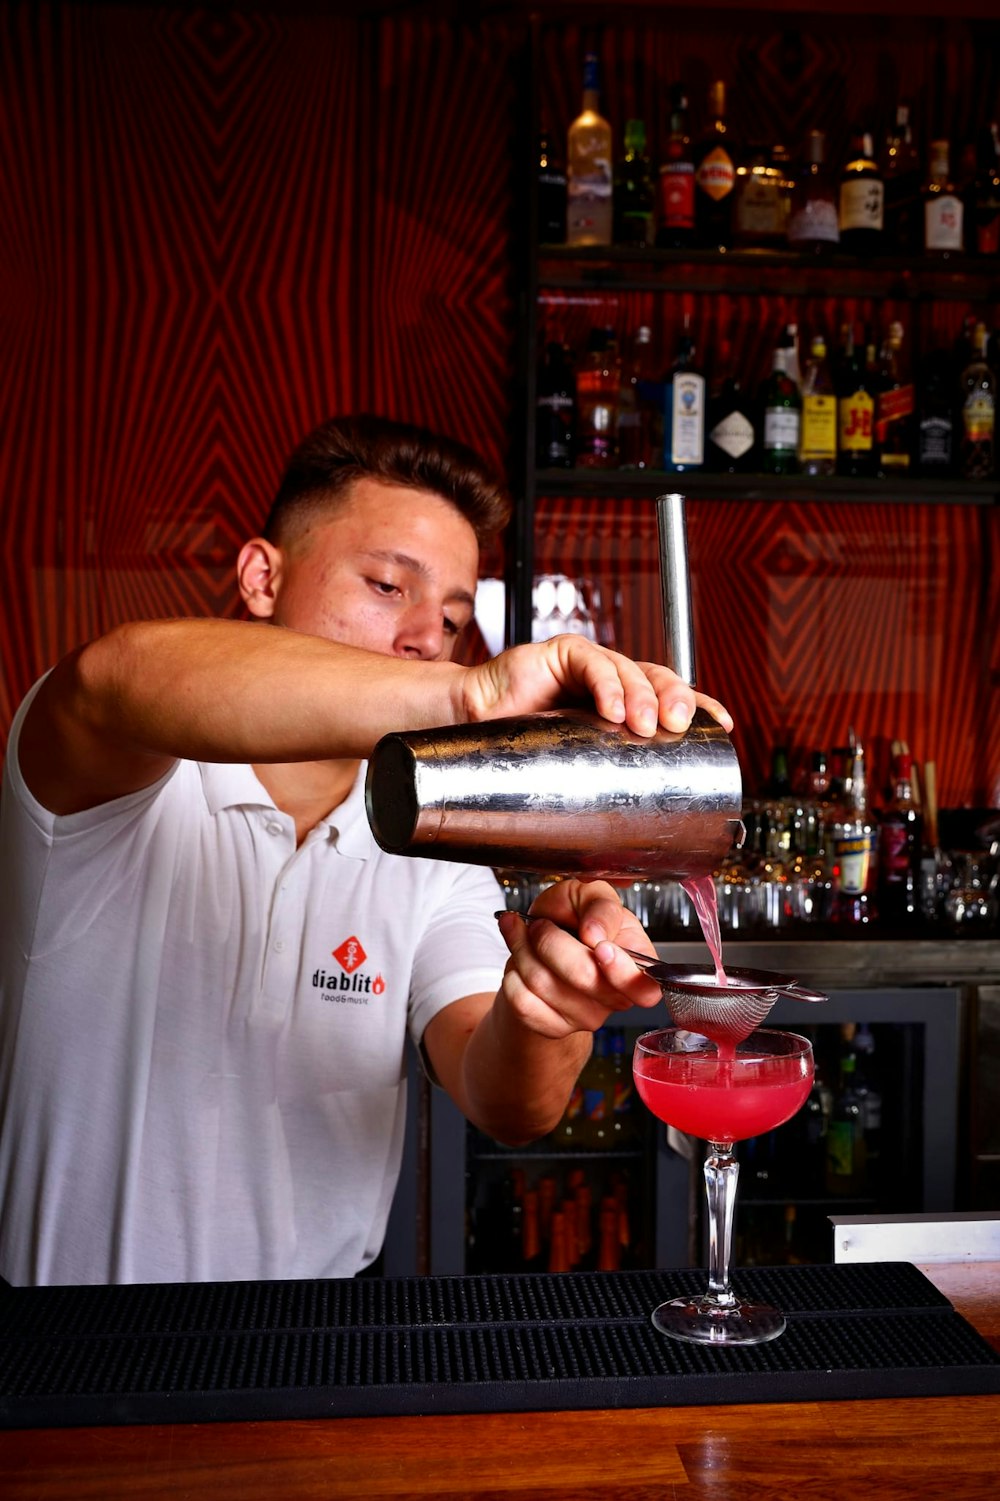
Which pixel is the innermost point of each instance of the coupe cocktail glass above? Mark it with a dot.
(723, 1095)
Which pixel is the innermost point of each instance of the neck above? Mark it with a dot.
(308, 790)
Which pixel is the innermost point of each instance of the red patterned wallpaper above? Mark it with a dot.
(223, 224)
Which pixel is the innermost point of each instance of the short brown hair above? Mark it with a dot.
(328, 461)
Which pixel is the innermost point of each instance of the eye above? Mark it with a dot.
(451, 627)
(383, 587)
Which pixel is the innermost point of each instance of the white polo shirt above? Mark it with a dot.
(202, 1029)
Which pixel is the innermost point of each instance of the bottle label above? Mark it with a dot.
(894, 852)
(988, 234)
(855, 422)
(861, 203)
(840, 1148)
(734, 435)
(936, 439)
(814, 223)
(716, 174)
(781, 427)
(760, 207)
(853, 854)
(819, 428)
(677, 195)
(686, 395)
(894, 406)
(943, 223)
(979, 417)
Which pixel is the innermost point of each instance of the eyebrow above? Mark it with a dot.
(415, 565)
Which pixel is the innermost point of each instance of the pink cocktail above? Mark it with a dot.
(686, 1081)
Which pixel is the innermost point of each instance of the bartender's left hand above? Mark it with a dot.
(559, 982)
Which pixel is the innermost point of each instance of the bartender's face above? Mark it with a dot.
(391, 569)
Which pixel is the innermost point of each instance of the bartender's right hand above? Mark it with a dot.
(571, 670)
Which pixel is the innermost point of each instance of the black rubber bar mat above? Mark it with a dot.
(202, 1352)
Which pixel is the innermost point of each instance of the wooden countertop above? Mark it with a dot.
(897, 1450)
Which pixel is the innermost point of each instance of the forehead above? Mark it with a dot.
(414, 527)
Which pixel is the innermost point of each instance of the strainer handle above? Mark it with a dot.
(800, 993)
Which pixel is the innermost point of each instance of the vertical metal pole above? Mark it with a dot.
(675, 587)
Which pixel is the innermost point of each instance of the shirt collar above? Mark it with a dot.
(237, 786)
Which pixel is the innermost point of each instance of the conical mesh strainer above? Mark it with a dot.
(698, 1003)
(725, 1013)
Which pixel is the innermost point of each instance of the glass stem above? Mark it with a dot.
(721, 1174)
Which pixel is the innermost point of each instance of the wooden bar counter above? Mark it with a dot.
(895, 1450)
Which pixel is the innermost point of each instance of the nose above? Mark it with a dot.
(421, 633)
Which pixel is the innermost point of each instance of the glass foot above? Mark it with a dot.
(705, 1322)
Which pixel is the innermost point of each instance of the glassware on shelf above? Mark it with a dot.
(970, 903)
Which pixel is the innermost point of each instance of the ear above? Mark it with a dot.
(258, 572)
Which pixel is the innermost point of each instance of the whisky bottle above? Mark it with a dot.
(900, 841)
(818, 435)
(862, 198)
(813, 226)
(978, 396)
(551, 193)
(782, 418)
(936, 416)
(730, 438)
(983, 217)
(633, 190)
(589, 177)
(902, 176)
(555, 411)
(943, 208)
(760, 198)
(715, 176)
(638, 446)
(598, 392)
(855, 412)
(684, 411)
(675, 205)
(894, 408)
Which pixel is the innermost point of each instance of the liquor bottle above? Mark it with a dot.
(861, 199)
(638, 395)
(855, 845)
(855, 412)
(845, 1137)
(943, 208)
(684, 411)
(813, 225)
(730, 438)
(978, 396)
(760, 198)
(597, 1082)
(818, 435)
(675, 198)
(866, 1084)
(634, 196)
(714, 176)
(936, 446)
(900, 840)
(894, 408)
(589, 177)
(983, 215)
(782, 417)
(555, 418)
(903, 177)
(609, 1255)
(551, 193)
(598, 391)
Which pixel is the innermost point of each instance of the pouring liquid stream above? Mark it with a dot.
(701, 890)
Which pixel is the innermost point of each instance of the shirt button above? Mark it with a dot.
(279, 945)
(274, 827)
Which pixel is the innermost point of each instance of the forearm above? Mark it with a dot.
(516, 1083)
(232, 691)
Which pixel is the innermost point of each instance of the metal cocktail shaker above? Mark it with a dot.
(565, 792)
(561, 793)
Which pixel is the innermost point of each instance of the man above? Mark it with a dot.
(208, 968)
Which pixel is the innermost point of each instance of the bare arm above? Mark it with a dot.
(114, 715)
(510, 1061)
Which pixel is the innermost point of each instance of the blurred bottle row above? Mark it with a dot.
(555, 1218)
(859, 410)
(823, 857)
(709, 190)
